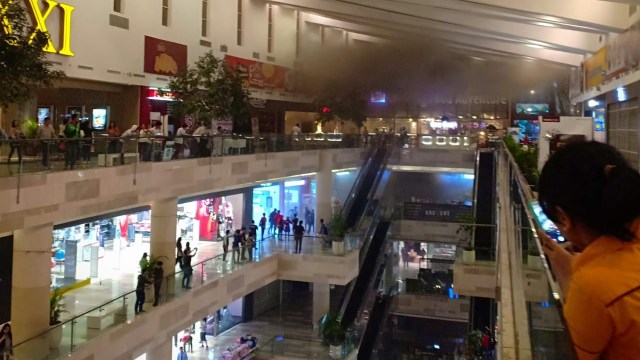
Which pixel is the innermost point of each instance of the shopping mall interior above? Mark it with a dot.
(407, 138)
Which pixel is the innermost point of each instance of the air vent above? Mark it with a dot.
(256, 55)
(271, 58)
(84, 67)
(205, 43)
(224, 48)
(119, 21)
(139, 76)
(115, 72)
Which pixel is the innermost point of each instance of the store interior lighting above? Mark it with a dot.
(593, 103)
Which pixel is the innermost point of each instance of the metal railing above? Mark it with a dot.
(76, 332)
(20, 157)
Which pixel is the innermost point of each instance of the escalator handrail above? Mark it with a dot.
(387, 301)
(374, 188)
(373, 172)
(362, 297)
(358, 181)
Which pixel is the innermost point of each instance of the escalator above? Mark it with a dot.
(360, 287)
(376, 323)
(357, 202)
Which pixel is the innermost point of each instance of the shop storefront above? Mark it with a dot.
(207, 219)
(343, 180)
(291, 197)
(92, 248)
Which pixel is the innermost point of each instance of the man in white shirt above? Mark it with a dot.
(180, 134)
(46, 132)
(203, 133)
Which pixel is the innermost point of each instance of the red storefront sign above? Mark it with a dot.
(160, 95)
(258, 75)
(164, 57)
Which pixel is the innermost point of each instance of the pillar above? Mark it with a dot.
(31, 281)
(321, 301)
(324, 190)
(163, 233)
(164, 350)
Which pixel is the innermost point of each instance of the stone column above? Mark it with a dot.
(321, 301)
(324, 190)
(31, 281)
(163, 235)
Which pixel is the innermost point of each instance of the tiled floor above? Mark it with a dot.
(299, 341)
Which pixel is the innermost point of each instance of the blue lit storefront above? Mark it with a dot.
(291, 196)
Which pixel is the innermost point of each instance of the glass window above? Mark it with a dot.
(117, 6)
(205, 17)
(165, 12)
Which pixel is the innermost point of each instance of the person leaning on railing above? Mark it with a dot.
(593, 196)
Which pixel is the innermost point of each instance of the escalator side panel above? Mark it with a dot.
(485, 205)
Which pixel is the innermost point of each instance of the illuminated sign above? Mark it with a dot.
(39, 18)
(155, 94)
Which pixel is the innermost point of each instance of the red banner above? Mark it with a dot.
(164, 57)
(258, 75)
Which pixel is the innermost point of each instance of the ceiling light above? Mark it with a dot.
(532, 92)
(535, 46)
(477, 58)
(540, 23)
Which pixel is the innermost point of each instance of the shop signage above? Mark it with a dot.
(469, 100)
(594, 68)
(545, 119)
(156, 94)
(39, 18)
(164, 57)
(258, 75)
(434, 212)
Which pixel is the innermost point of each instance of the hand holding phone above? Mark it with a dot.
(543, 223)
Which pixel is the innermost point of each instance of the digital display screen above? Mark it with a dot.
(532, 109)
(99, 119)
(544, 223)
(43, 112)
(378, 97)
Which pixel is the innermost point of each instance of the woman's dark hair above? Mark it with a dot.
(10, 335)
(593, 184)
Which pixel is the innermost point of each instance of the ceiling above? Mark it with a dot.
(557, 31)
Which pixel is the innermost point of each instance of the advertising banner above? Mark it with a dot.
(258, 75)
(557, 133)
(594, 68)
(164, 57)
(434, 212)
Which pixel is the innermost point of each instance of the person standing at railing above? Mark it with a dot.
(144, 143)
(158, 277)
(225, 245)
(140, 296)
(179, 141)
(593, 196)
(72, 133)
(87, 136)
(237, 242)
(16, 138)
(250, 243)
(45, 134)
(187, 270)
(128, 141)
(202, 136)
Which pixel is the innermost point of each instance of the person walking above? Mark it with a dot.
(298, 233)
(182, 355)
(324, 230)
(225, 245)
(158, 278)
(287, 228)
(45, 134)
(243, 232)
(263, 225)
(253, 230)
(144, 262)
(272, 221)
(203, 334)
(279, 224)
(140, 297)
(311, 221)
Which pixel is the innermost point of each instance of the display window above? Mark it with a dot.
(208, 219)
(94, 248)
(292, 197)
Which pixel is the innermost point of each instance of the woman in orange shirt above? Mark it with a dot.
(593, 196)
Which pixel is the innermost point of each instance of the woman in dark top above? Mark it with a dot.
(6, 342)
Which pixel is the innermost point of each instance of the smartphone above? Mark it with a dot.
(544, 223)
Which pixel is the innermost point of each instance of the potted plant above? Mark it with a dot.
(334, 334)
(55, 309)
(533, 257)
(465, 233)
(473, 345)
(337, 231)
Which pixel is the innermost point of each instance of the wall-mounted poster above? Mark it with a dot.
(99, 118)
(43, 112)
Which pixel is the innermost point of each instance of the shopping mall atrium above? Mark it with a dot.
(150, 188)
